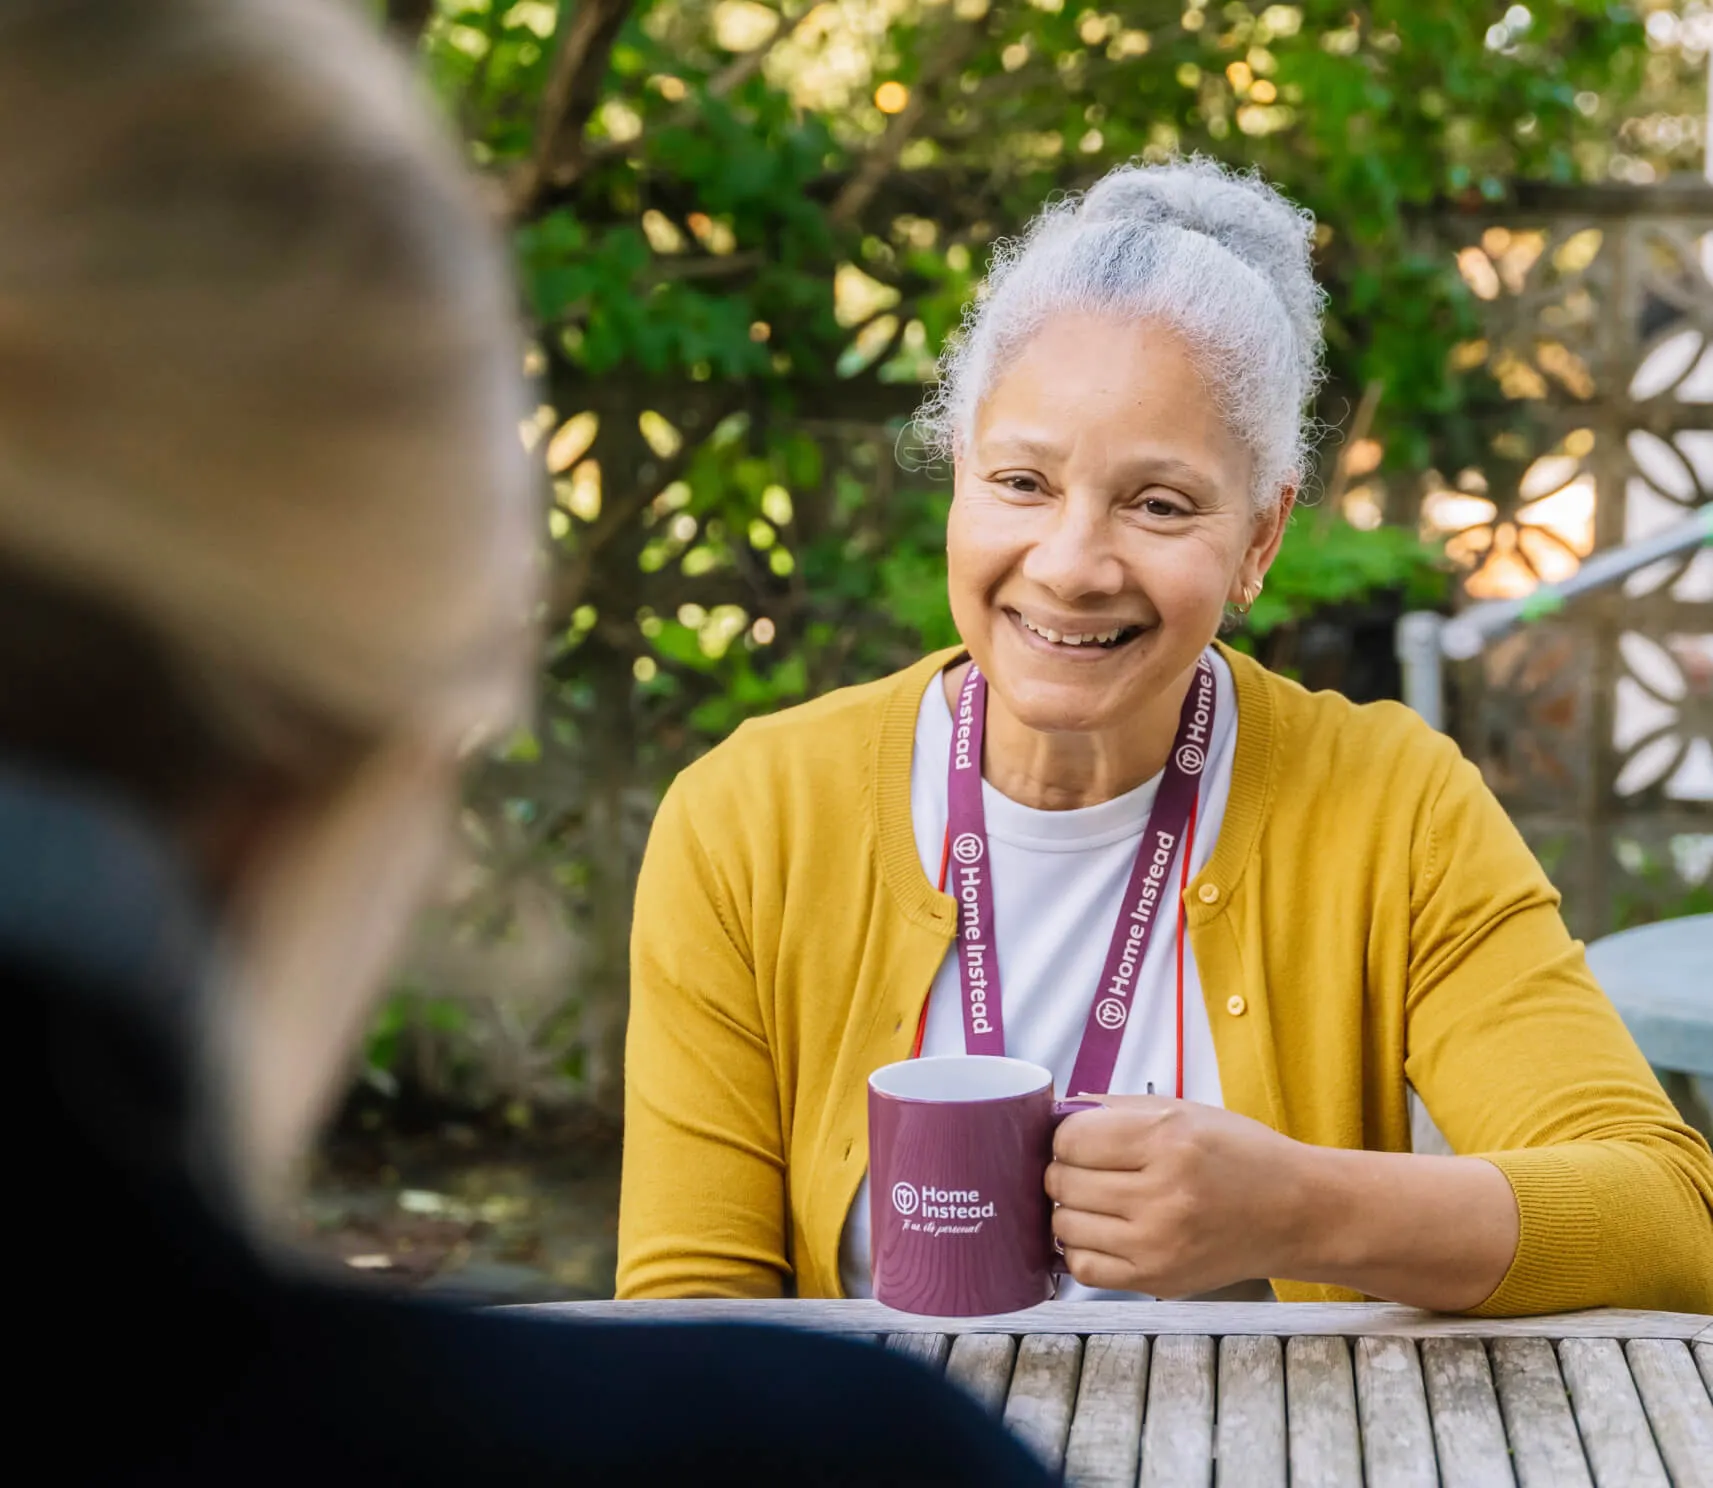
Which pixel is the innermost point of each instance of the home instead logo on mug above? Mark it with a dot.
(959, 1216)
(932, 1208)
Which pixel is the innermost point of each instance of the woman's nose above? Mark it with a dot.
(1074, 556)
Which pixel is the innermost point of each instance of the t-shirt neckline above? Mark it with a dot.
(1076, 830)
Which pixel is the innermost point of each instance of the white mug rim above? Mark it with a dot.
(968, 1070)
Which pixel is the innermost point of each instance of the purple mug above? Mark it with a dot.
(960, 1223)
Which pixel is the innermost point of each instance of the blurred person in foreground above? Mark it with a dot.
(267, 552)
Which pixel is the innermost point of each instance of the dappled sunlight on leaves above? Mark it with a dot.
(758, 232)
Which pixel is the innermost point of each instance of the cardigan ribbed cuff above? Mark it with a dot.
(1558, 1241)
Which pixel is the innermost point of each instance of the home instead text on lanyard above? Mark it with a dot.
(1170, 833)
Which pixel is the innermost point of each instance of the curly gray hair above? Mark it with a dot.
(1219, 256)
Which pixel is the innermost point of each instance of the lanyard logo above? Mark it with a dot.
(1147, 892)
(1110, 1012)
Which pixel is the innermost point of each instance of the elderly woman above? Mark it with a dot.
(1344, 914)
(268, 544)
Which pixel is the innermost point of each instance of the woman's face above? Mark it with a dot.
(1100, 495)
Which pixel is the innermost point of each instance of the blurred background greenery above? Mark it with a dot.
(744, 229)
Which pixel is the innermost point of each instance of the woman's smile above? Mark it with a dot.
(1142, 834)
(1101, 522)
(1078, 641)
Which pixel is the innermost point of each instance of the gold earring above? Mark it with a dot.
(1251, 592)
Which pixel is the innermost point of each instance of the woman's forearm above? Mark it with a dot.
(1436, 1232)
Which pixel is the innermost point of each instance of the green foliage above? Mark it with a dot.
(405, 1020)
(1325, 563)
(743, 267)
(1657, 897)
(693, 267)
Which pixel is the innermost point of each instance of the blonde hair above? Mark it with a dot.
(259, 390)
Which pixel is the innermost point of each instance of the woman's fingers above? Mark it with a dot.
(1094, 1268)
(1103, 1250)
(1184, 1196)
(1078, 1229)
(1114, 1135)
(1097, 1190)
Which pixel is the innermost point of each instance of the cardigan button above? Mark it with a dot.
(1235, 1005)
(1208, 893)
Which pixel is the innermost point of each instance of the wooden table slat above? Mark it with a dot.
(1177, 1429)
(1615, 1434)
(930, 1349)
(1197, 1319)
(1606, 1397)
(1391, 1405)
(981, 1364)
(1105, 1446)
(1468, 1433)
(1043, 1392)
(1320, 1412)
(1546, 1449)
(1249, 1447)
(1678, 1408)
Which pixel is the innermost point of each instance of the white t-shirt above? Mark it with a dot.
(1058, 887)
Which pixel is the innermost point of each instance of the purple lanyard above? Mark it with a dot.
(971, 884)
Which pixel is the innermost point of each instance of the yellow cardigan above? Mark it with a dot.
(1382, 919)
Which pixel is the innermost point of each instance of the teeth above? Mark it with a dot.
(1089, 639)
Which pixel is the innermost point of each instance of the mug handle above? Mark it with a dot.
(1062, 1109)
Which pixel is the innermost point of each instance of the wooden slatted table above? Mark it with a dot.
(1260, 1395)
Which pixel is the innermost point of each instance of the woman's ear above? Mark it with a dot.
(1269, 533)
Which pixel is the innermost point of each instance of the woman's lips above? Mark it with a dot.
(1087, 650)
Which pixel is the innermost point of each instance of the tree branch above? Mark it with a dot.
(573, 89)
(739, 71)
(407, 19)
(878, 164)
(728, 80)
(724, 266)
(572, 577)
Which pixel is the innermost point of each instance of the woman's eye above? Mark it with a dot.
(1157, 506)
(1025, 485)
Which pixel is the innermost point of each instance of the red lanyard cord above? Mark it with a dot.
(922, 1021)
(1183, 932)
(1183, 893)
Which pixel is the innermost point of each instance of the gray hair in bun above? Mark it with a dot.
(1219, 256)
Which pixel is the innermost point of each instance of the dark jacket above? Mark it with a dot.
(157, 1347)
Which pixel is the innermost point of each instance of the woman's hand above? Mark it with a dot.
(1173, 1198)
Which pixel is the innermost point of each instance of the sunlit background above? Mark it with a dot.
(744, 230)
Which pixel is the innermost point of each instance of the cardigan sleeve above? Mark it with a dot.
(1521, 1059)
(702, 1200)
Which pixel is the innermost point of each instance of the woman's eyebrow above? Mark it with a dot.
(1025, 446)
(1171, 470)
